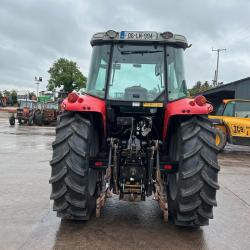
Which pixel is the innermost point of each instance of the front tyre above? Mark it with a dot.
(12, 121)
(20, 121)
(71, 177)
(220, 139)
(30, 121)
(192, 191)
(38, 118)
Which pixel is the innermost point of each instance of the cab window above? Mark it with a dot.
(219, 110)
(98, 71)
(242, 109)
(176, 78)
(229, 110)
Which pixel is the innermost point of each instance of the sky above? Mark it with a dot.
(34, 34)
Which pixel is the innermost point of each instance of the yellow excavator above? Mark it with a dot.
(232, 121)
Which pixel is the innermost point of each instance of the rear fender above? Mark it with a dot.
(89, 105)
(183, 107)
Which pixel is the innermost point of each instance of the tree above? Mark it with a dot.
(199, 87)
(65, 73)
(13, 95)
(32, 95)
(6, 93)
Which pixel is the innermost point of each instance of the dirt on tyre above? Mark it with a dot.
(192, 191)
(73, 182)
(220, 139)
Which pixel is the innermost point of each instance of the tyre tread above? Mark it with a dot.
(197, 185)
(69, 164)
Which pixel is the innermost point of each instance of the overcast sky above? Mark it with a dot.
(33, 34)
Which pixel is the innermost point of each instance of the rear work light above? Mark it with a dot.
(167, 35)
(72, 97)
(200, 100)
(111, 34)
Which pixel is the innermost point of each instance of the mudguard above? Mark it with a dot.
(88, 104)
(186, 106)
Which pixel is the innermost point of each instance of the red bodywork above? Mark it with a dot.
(186, 106)
(86, 103)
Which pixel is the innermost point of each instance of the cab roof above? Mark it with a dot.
(141, 37)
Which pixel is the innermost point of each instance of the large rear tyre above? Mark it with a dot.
(73, 182)
(192, 191)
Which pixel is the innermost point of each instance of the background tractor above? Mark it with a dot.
(50, 112)
(232, 123)
(24, 112)
(134, 133)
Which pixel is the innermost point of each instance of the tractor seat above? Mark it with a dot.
(136, 93)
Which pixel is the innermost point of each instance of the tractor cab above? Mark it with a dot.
(137, 67)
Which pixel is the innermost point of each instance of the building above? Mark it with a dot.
(234, 90)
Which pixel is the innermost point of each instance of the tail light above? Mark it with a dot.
(72, 97)
(200, 100)
(168, 167)
(80, 99)
(192, 103)
(98, 163)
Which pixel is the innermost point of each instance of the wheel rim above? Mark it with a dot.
(217, 139)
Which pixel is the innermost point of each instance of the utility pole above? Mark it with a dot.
(217, 67)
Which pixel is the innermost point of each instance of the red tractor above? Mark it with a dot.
(135, 133)
(50, 112)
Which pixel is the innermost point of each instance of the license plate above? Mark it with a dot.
(138, 35)
(152, 104)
